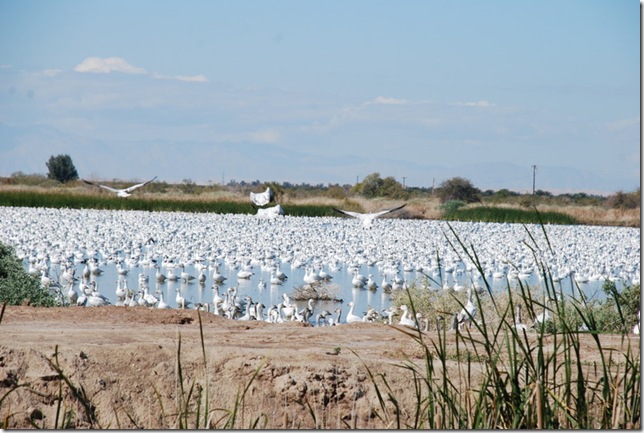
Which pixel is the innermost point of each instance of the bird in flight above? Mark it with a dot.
(262, 198)
(126, 192)
(367, 218)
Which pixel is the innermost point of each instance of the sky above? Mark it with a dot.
(505, 93)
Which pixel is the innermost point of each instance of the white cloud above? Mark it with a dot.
(107, 65)
(51, 72)
(116, 64)
(389, 101)
(482, 104)
(191, 79)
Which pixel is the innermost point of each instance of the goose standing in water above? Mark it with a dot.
(351, 317)
(71, 293)
(338, 317)
(162, 305)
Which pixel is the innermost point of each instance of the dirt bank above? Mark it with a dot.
(123, 364)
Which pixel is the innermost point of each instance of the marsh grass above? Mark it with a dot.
(504, 376)
(508, 215)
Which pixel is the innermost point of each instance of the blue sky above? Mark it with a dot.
(325, 91)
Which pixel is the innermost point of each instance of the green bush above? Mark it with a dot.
(17, 287)
(451, 206)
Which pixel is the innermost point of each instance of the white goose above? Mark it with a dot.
(404, 319)
(367, 218)
(123, 193)
(262, 198)
(351, 317)
(466, 315)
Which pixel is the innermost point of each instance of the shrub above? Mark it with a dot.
(452, 206)
(17, 287)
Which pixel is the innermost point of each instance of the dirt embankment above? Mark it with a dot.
(125, 367)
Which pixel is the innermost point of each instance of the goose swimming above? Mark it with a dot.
(367, 218)
(123, 193)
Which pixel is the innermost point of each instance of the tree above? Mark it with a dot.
(458, 188)
(374, 186)
(61, 168)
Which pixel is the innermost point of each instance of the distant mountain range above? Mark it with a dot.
(27, 149)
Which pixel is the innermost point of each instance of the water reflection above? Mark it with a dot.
(340, 285)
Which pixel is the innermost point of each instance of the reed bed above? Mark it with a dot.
(509, 215)
(508, 376)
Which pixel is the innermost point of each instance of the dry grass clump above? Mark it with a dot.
(323, 291)
(597, 215)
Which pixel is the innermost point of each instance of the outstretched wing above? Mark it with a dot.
(139, 185)
(109, 188)
(382, 212)
(346, 212)
(100, 186)
(262, 198)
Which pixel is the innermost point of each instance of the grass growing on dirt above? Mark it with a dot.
(529, 377)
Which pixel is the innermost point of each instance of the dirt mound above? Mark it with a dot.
(136, 367)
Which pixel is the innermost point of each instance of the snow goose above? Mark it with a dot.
(123, 193)
(351, 317)
(466, 315)
(162, 305)
(518, 322)
(262, 198)
(367, 218)
(404, 319)
(72, 294)
(543, 318)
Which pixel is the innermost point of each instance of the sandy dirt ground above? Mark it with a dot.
(126, 367)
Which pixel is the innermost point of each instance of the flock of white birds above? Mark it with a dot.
(70, 249)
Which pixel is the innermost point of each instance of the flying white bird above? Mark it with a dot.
(262, 198)
(367, 218)
(126, 192)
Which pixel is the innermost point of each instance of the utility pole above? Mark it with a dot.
(404, 182)
(534, 175)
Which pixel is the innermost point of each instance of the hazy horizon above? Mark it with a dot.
(327, 91)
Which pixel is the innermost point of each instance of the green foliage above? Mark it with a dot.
(496, 214)
(61, 168)
(618, 312)
(374, 186)
(17, 287)
(458, 188)
(451, 206)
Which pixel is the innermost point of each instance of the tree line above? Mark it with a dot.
(452, 193)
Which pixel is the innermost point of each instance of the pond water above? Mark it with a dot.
(432, 253)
